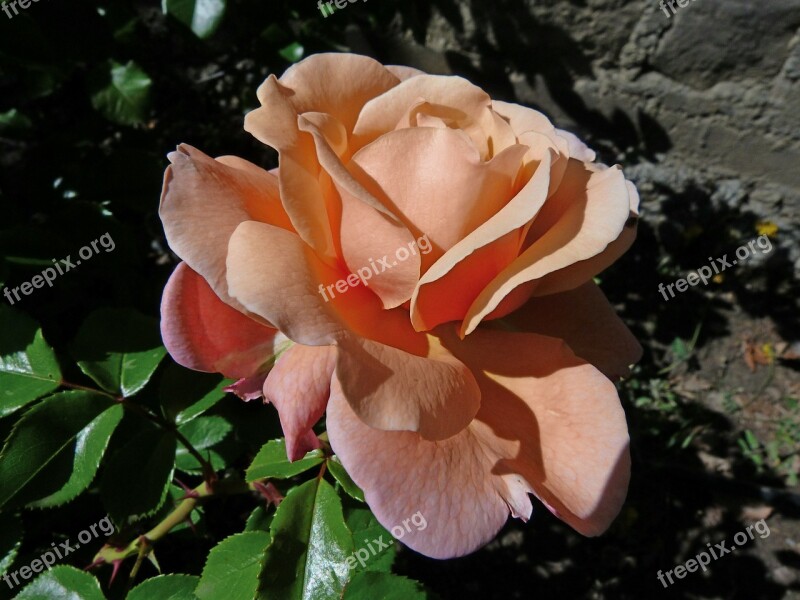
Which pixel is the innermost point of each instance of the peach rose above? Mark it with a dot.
(456, 382)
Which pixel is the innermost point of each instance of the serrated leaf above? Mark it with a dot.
(10, 540)
(136, 479)
(372, 537)
(271, 462)
(90, 447)
(186, 394)
(203, 433)
(37, 459)
(165, 587)
(121, 93)
(120, 349)
(383, 586)
(201, 16)
(310, 545)
(233, 566)
(63, 583)
(28, 366)
(340, 474)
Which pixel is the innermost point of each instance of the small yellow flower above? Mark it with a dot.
(719, 278)
(767, 228)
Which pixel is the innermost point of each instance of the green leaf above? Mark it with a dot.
(259, 520)
(233, 566)
(10, 540)
(63, 583)
(383, 586)
(121, 93)
(37, 460)
(201, 16)
(165, 587)
(271, 462)
(120, 349)
(186, 394)
(136, 479)
(368, 535)
(310, 546)
(340, 474)
(202, 434)
(28, 366)
(90, 447)
(293, 52)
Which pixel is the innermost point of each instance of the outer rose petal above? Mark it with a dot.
(204, 200)
(203, 333)
(298, 386)
(585, 320)
(549, 423)
(435, 395)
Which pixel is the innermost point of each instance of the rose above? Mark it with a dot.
(457, 382)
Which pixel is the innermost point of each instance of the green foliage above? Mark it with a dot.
(383, 586)
(28, 366)
(165, 587)
(271, 462)
(10, 540)
(203, 17)
(121, 93)
(63, 582)
(233, 567)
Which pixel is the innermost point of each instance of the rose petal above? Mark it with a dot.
(548, 423)
(394, 390)
(203, 333)
(248, 388)
(204, 200)
(579, 221)
(298, 386)
(585, 320)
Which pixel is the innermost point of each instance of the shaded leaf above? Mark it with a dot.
(136, 480)
(367, 533)
(10, 540)
(186, 394)
(340, 474)
(202, 433)
(383, 586)
(201, 16)
(121, 93)
(120, 349)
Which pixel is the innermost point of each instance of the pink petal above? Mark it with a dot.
(248, 388)
(203, 333)
(549, 423)
(299, 386)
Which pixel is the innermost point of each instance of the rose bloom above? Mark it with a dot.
(457, 382)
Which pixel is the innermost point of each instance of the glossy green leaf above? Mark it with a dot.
(136, 479)
(14, 122)
(374, 538)
(28, 366)
(293, 52)
(165, 587)
(310, 546)
(120, 349)
(383, 586)
(90, 446)
(186, 394)
(121, 93)
(37, 460)
(340, 474)
(259, 520)
(271, 462)
(201, 16)
(10, 540)
(233, 566)
(63, 583)
(202, 433)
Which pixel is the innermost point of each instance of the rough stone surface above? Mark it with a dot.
(705, 101)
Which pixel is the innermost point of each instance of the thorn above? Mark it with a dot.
(189, 493)
(188, 521)
(270, 493)
(152, 558)
(116, 564)
(97, 562)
